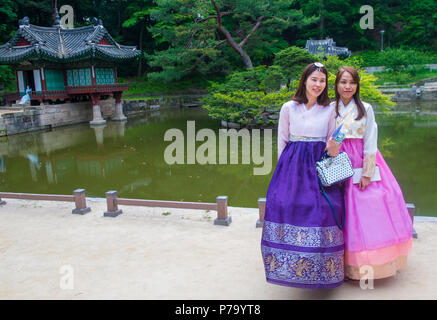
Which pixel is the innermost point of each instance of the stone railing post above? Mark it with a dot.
(412, 210)
(111, 201)
(262, 211)
(222, 211)
(80, 200)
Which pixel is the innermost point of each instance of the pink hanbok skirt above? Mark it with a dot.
(378, 230)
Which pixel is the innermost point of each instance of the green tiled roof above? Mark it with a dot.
(64, 45)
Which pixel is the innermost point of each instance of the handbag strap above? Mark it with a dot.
(324, 155)
(322, 190)
(348, 113)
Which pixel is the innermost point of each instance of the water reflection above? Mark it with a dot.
(2, 164)
(98, 131)
(414, 108)
(128, 157)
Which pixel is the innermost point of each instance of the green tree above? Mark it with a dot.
(7, 79)
(40, 12)
(139, 12)
(292, 61)
(404, 60)
(368, 91)
(8, 20)
(243, 97)
(338, 19)
(199, 32)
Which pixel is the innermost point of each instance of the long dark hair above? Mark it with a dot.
(300, 95)
(354, 73)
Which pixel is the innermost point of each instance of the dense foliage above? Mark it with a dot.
(254, 97)
(184, 38)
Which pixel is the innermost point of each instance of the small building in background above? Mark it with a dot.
(326, 47)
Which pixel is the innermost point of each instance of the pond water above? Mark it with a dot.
(129, 157)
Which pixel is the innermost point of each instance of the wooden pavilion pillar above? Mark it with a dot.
(97, 113)
(118, 114)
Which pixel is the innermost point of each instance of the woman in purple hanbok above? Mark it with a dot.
(301, 244)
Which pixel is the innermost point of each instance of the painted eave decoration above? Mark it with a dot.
(64, 45)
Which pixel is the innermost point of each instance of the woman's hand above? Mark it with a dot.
(364, 182)
(332, 147)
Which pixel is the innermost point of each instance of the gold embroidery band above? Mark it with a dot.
(369, 162)
(298, 236)
(307, 139)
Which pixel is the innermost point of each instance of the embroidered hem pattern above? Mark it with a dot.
(303, 268)
(303, 256)
(282, 233)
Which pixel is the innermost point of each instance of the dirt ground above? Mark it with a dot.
(46, 252)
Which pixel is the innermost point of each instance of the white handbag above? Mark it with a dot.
(357, 175)
(332, 170)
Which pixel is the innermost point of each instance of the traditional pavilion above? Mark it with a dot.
(60, 63)
(326, 47)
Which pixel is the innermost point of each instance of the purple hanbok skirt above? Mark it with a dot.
(301, 244)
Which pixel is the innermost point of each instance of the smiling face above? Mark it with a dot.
(347, 86)
(315, 84)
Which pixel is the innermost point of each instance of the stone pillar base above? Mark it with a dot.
(80, 201)
(81, 211)
(97, 113)
(118, 114)
(262, 210)
(112, 214)
(223, 219)
(223, 222)
(112, 205)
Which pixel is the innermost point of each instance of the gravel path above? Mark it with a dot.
(159, 253)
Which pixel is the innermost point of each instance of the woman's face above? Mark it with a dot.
(346, 86)
(315, 84)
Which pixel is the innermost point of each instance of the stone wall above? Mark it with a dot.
(131, 107)
(50, 116)
(411, 94)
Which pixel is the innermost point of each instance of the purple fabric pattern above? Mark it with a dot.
(301, 245)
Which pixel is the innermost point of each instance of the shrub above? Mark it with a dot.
(292, 61)
(396, 59)
(252, 96)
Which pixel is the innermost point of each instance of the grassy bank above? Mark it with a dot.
(404, 78)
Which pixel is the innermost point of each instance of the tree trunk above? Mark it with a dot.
(141, 48)
(231, 41)
(246, 59)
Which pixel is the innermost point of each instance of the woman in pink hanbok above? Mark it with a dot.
(378, 230)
